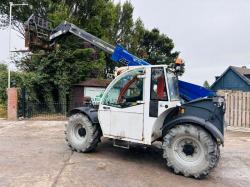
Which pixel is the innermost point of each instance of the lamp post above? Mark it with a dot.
(11, 5)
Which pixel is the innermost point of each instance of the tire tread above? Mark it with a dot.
(94, 129)
(213, 149)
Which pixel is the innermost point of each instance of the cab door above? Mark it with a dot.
(159, 98)
(123, 101)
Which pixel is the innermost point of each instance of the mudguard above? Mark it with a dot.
(89, 111)
(205, 112)
(214, 131)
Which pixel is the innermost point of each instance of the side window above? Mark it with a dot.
(126, 91)
(158, 89)
(173, 87)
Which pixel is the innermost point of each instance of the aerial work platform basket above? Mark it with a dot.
(37, 33)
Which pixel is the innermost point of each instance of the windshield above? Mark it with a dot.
(125, 91)
(173, 86)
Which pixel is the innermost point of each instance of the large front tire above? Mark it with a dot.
(190, 150)
(81, 134)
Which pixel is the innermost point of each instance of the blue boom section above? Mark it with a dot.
(122, 55)
(190, 91)
(187, 91)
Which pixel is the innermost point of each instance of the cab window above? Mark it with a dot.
(126, 91)
(173, 86)
(158, 89)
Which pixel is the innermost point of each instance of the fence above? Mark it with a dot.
(45, 111)
(40, 111)
(237, 108)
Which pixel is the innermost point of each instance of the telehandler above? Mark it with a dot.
(142, 105)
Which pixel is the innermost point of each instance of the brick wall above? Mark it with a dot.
(12, 103)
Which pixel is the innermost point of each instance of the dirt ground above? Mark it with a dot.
(34, 153)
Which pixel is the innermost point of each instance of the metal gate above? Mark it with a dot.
(37, 110)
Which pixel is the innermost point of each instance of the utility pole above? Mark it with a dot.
(10, 22)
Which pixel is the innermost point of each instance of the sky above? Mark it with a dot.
(17, 43)
(210, 34)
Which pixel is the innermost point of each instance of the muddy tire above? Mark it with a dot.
(81, 134)
(190, 151)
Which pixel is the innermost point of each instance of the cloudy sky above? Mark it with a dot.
(210, 34)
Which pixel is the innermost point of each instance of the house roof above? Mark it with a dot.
(94, 83)
(240, 71)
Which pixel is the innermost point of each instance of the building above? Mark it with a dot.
(87, 89)
(234, 78)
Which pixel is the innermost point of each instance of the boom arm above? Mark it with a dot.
(119, 54)
(38, 35)
(66, 27)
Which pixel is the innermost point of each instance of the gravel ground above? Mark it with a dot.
(34, 153)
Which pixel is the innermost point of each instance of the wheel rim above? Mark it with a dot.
(188, 150)
(79, 132)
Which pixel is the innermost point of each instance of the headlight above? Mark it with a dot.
(219, 101)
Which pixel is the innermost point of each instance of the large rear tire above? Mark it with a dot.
(81, 134)
(190, 150)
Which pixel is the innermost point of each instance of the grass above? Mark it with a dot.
(3, 111)
(49, 117)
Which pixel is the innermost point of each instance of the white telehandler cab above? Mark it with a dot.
(141, 105)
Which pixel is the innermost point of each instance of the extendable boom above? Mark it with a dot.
(119, 54)
(67, 27)
(38, 35)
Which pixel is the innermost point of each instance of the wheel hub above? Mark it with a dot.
(81, 132)
(188, 149)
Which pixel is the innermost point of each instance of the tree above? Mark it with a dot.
(206, 84)
(57, 71)
(69, 63)
(3, 83)
(138, 33)
(21, 13)
(122, 31)
(48, 75)
(158, 47)
(16, 81)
